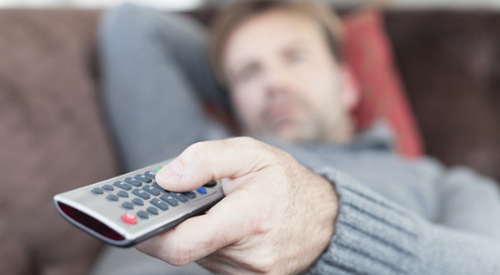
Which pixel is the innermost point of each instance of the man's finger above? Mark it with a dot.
(204, 161)
(200, 236)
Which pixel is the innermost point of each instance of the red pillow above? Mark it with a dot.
(369, 55)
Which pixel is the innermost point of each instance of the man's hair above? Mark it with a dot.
(239, 13)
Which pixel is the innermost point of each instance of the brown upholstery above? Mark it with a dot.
(54, 138)
(450, 64)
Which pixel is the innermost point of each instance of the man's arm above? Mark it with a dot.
(280, 218)
(375, 236)
(154, 68)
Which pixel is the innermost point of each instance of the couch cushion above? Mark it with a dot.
(450, 64)
(52, 137)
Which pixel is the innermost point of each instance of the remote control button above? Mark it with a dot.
(108, 187)
(134, 182)
(201, 190)
(122, 185)
(128, 205)
(180, 197)
(122, 194)
(158, 168)
(97, 191)
(150, 174)
(169, 199)
(211, 183)
(112, 197)
(190, 194)
(138, 201)
(155, 185)
(158, 203)
(141, 194)
(143, 178)
(129, 218)
(151, 190)
(152, 210)
(143, 214)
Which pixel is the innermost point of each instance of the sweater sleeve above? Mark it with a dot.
(373, 235)
(469, 202)
(155, 70)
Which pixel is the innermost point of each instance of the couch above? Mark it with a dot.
(53, 133)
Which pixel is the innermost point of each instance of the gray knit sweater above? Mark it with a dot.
(400, 216)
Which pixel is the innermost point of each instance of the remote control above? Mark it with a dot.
(131, 208)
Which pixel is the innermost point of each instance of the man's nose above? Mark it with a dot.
(277, 81)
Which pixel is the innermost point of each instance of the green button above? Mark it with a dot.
(158, 168)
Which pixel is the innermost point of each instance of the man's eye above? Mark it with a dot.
(295, 56)
(247, 74)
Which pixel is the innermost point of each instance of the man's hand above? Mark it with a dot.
(277, 216)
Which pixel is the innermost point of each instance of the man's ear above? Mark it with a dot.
(350, 88)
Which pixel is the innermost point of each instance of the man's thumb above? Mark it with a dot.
(205, 161)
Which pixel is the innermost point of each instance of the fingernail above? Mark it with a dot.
(171, 173)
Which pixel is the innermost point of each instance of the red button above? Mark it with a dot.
(129, 218)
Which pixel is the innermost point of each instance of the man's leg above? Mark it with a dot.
(153, 67)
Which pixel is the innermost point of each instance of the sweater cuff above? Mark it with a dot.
(372, 235)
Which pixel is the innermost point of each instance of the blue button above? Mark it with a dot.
(201, 190)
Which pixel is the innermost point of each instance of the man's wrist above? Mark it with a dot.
(324, 207)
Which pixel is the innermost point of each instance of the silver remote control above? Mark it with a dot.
(131, 208)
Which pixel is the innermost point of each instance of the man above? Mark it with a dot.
(336, 203)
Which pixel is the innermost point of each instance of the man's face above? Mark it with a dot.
(284, 81)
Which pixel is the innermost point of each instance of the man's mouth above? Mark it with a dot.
(281, 114)
(280, 111)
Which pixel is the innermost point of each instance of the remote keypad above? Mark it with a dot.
(133, 182)
(155, 185)
(158, 203)
(146, 190)
(202, 190)
(144, 179)
(138, 201)
(122, 194)
(133, 206)
(142, 194)
(151, 190)
(211, 183)
(128, 205)
(122, 185)
(97, 191)
(129, 218)
(143, 214)
(169, 199)
(108, 187)
(180, 197)
(152, 210)
(112, 197)
(150, 174)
